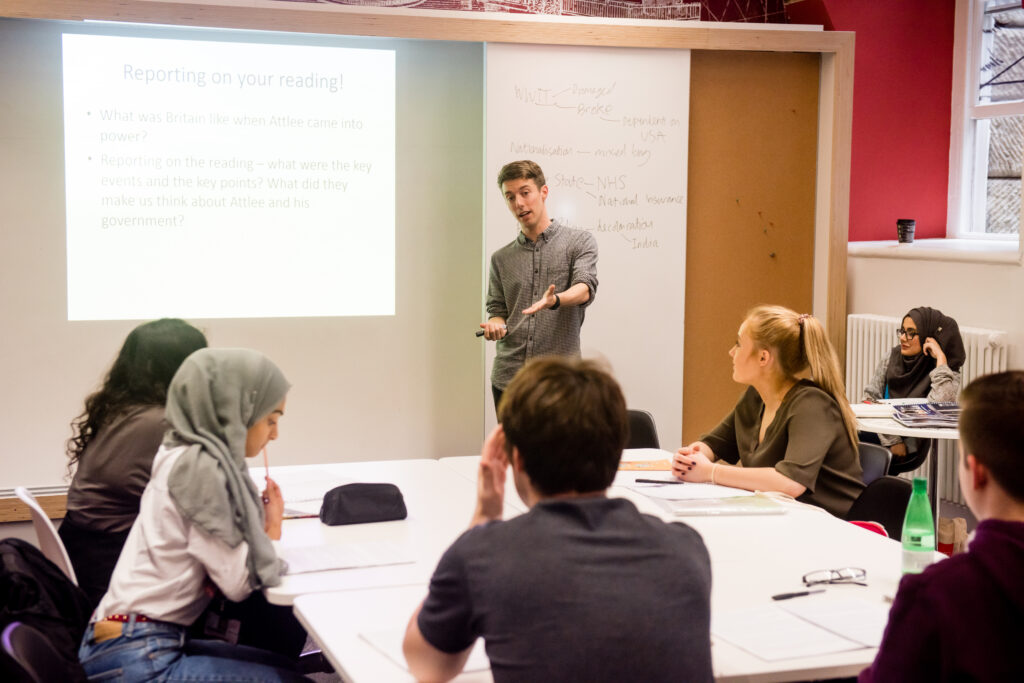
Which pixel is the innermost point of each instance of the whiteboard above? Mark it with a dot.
(609, 126)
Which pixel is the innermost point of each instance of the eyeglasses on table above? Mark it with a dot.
(854, 575)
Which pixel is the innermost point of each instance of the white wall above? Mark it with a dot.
(22, 530)
(975, 294)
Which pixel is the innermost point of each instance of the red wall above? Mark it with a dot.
(901, 107)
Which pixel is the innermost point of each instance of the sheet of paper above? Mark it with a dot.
(771, 633)
(872, 409)
(684, 491)
(629, 477)
(389, 643)
(301, 485)
(634, 454)
(904, 401)
(862, 621)
(305, 508)
(303, 559)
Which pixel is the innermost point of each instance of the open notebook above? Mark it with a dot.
(739, 505)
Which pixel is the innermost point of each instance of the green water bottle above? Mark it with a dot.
(918, 530)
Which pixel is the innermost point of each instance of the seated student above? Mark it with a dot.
(962, 619)
(113, 444)
(201, 523)
(925, 364)
(788, 434)
(582, 587)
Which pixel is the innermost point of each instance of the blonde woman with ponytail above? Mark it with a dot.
(793, 430)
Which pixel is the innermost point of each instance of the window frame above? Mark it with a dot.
(967, 199)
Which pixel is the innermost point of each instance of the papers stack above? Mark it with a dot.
(929, 415)
(872, 409)
(803, 628)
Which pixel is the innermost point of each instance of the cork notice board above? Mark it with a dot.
(750, 214)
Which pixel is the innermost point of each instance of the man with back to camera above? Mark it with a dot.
(582, 587)
(962, 619)
(547, 269)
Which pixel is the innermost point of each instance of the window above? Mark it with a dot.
(988, 133)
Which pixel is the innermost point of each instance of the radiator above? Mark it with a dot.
(869, 338)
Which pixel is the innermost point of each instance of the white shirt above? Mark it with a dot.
(165, 561)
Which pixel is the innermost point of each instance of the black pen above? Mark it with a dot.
(799, 594)
(658, 481)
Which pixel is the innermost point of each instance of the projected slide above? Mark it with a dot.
(225, 180)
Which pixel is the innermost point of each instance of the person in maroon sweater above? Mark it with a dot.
(963, 618)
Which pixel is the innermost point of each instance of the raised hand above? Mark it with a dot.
(490, 482)
(546, 301)
(932, 348)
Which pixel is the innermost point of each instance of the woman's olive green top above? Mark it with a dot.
(806, 442)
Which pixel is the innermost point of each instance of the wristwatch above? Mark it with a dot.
(558, 302)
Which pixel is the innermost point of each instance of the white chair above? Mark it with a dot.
(49, 542)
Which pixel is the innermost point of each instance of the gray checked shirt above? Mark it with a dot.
(521, 272)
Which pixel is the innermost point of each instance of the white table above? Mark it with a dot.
(887, 425)
(753, 557)
(335, 620)
(439, 503)
(466, 466)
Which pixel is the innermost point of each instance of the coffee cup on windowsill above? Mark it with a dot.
(905, 230)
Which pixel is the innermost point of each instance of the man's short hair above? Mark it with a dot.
(568, 420)
(992, 427)
(521, 170)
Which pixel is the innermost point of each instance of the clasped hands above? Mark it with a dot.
(694, 462)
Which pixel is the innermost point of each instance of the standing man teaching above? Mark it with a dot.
(539, 283)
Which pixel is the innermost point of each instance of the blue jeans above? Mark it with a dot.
(158, 651)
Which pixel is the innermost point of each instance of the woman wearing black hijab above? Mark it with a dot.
(925, 364)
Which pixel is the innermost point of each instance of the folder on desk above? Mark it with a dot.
(710, 507)
(663, 465)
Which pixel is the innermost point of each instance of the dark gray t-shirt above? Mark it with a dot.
(577, 590)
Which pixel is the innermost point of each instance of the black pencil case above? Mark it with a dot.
(362, 503)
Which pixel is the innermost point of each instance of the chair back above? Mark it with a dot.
(35, 657)
(913, 461)
(874, 461)
(873, 527)
(884, 501)
(642, 431)
(49, 541)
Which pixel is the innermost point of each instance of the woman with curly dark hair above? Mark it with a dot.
(113, 444)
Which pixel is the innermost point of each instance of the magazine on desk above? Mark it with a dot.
(929, 415)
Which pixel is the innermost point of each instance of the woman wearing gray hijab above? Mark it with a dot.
(201, 521)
